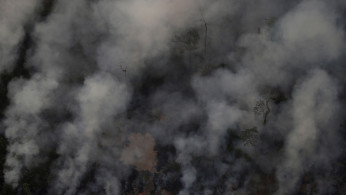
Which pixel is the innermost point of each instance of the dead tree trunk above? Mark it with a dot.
(205, 32)
(267, 112)
(124, 70)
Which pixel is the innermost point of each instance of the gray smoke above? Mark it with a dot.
(14, 18)
(237, 97)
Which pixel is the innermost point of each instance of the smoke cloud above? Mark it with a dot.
(172, 97)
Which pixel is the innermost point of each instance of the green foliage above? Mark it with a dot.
(249, 136)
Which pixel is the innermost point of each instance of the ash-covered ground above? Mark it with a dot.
(166, 97)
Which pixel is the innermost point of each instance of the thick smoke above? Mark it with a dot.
(314, 111)
(172, 96)
(15, 17)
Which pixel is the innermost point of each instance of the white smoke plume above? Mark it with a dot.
(15, 16)
(172, 96)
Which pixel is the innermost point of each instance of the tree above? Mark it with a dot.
(189, 40)
(124, 70)
(205, 31)
(262, 108)
(249, 136)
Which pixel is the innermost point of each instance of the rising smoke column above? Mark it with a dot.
(186, 76)
(15, 16)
